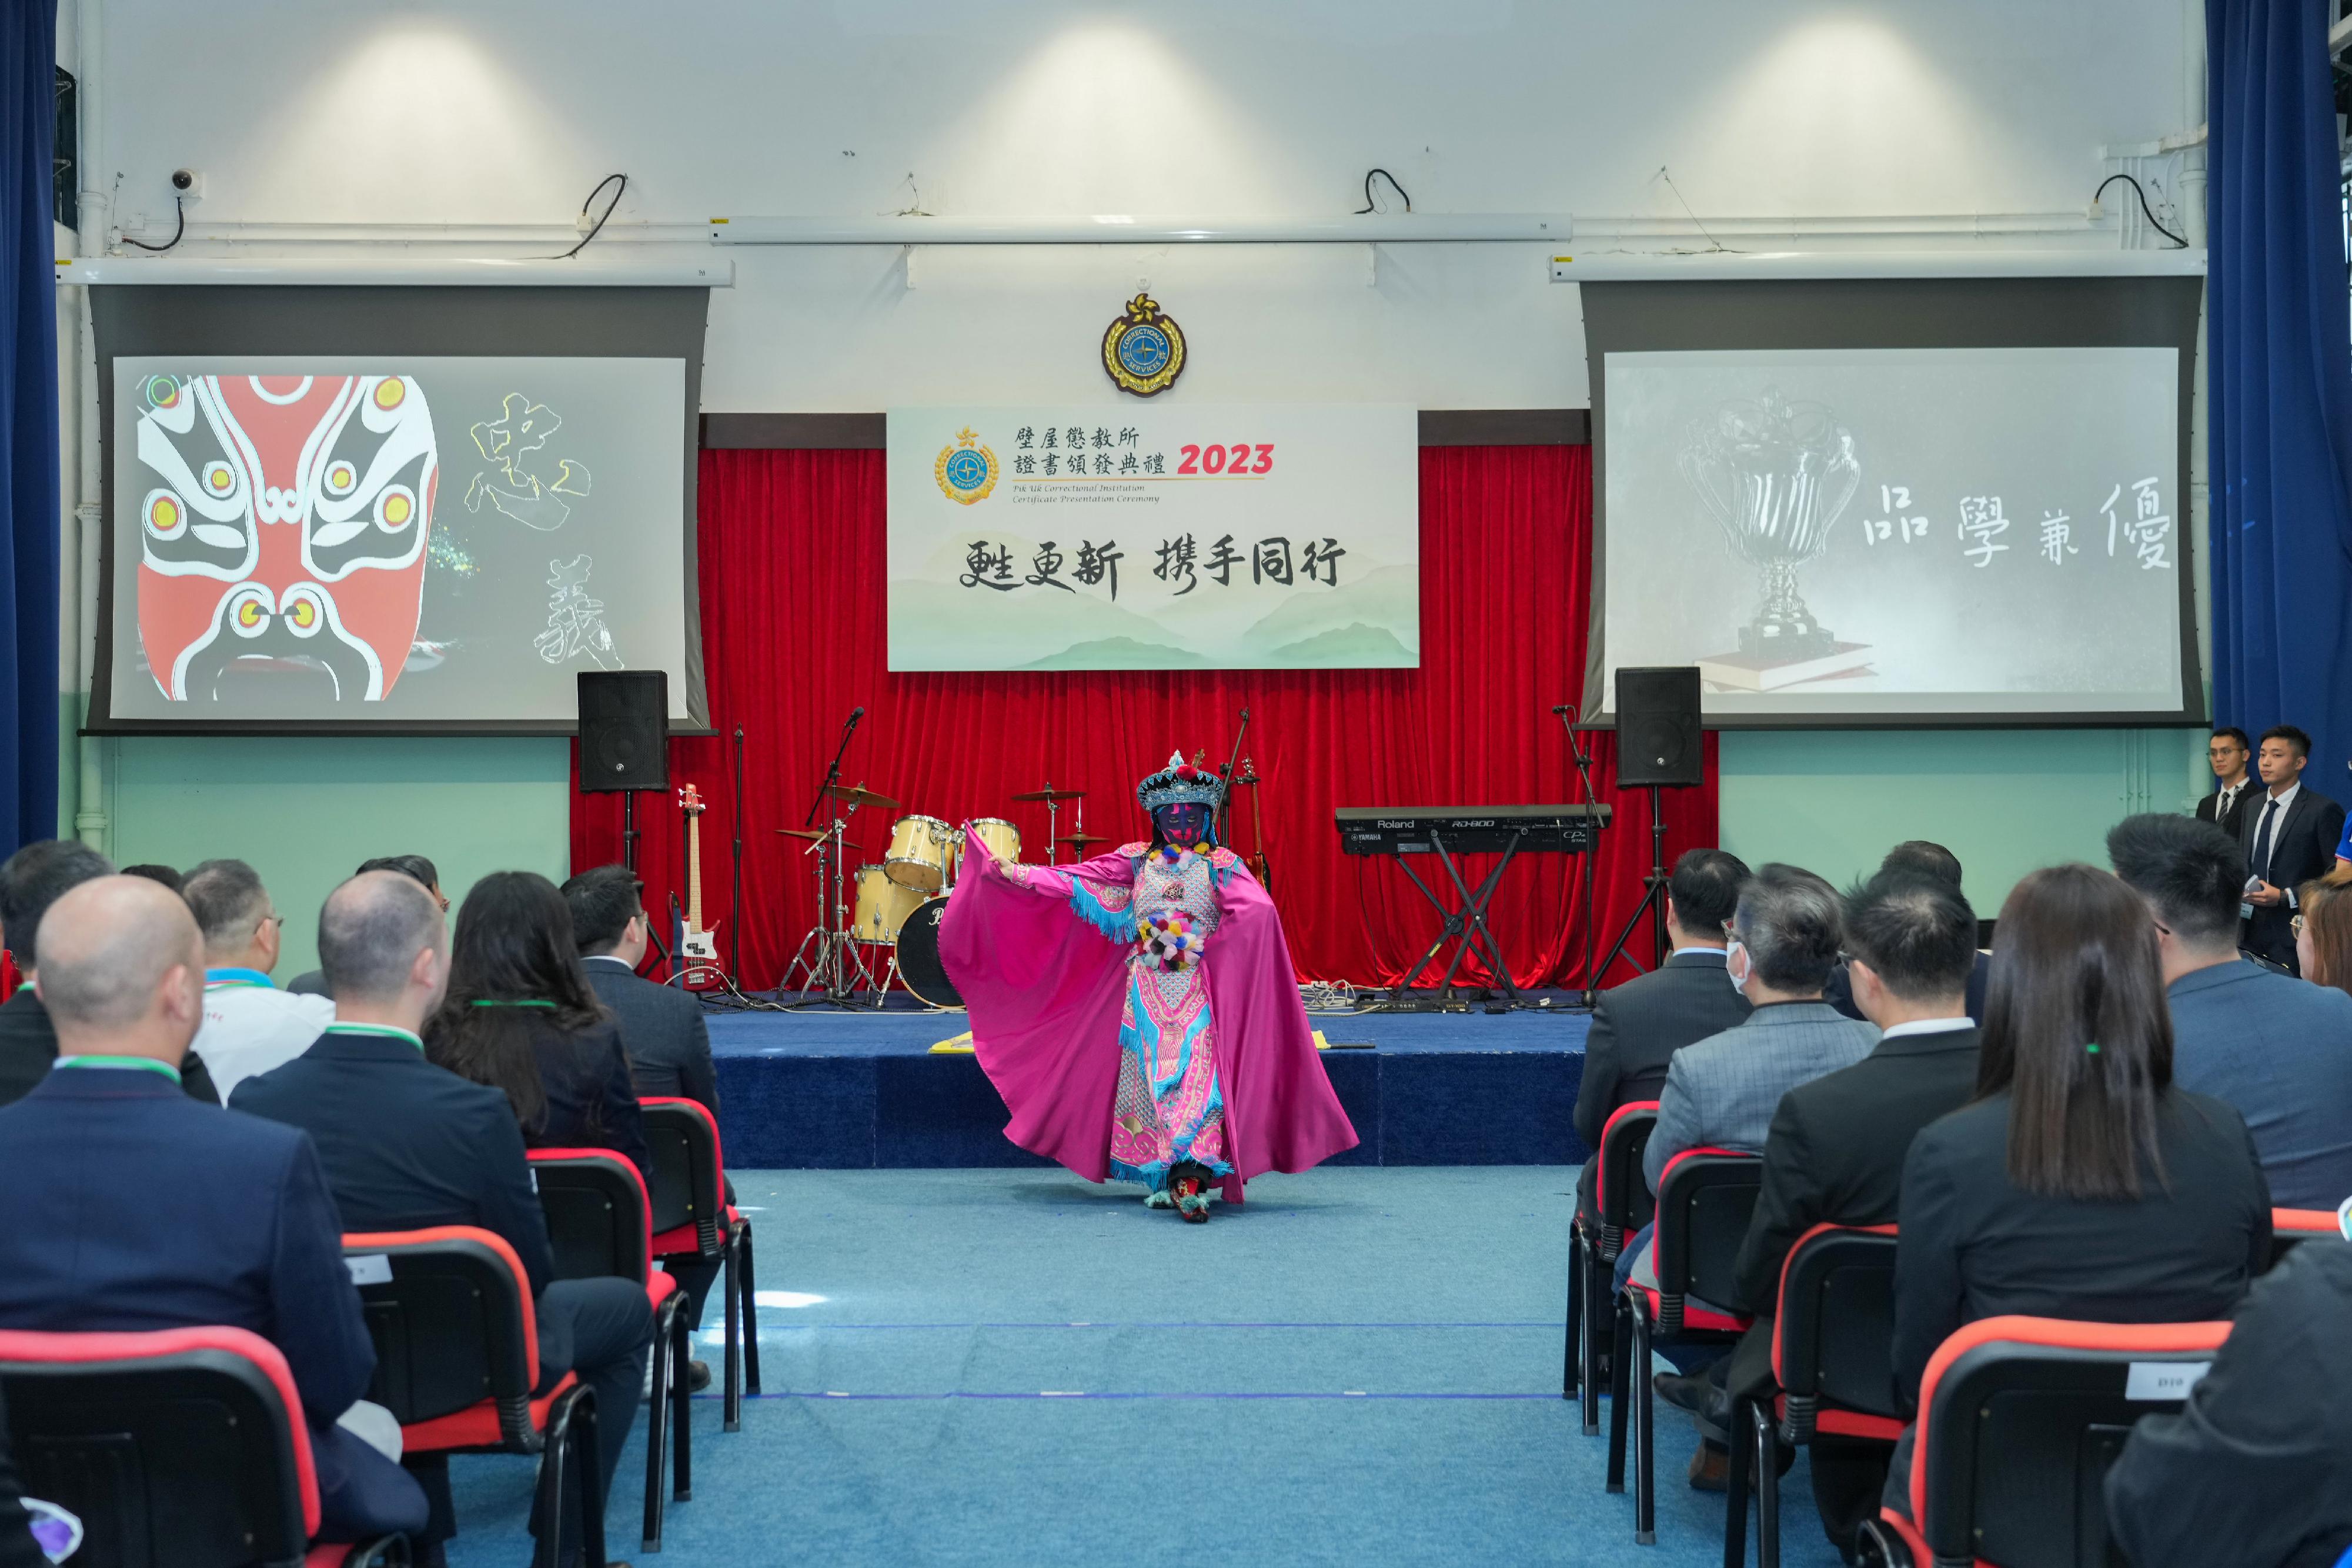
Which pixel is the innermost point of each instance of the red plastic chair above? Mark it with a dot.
(177, 1448)
(456, 1362)
(692, 1218)
(1621, 1199)
(600, 1225)
(2019, 1420)
(1705, 1199)
(2290, 1227)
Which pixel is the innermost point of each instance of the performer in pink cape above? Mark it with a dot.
(1138, 1012)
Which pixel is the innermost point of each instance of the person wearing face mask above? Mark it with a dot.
(1138, 1012)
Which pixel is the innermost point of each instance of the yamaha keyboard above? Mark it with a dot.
(1469, 829)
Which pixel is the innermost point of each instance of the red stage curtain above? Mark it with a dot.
(791, 576)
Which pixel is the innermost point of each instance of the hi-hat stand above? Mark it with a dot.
(1653, 904)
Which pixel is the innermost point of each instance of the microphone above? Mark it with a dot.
(856, 714)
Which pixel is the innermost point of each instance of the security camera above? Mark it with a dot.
(188, 182)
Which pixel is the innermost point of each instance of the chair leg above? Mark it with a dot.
(1645, 1437)
(1767, 1489)
(1621, 1366)
(1571, 1353)
(1735, 1491)
(734, 1391)
(681, 1394)
(1590, 1284)
(554, 1460)
(657, 1407)
(592, 1481)
(751, 1317)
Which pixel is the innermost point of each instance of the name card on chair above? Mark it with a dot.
(376, 1268)
(2163, 1380)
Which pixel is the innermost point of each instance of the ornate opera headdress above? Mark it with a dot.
(1182, 783)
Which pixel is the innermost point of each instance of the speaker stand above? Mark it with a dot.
(1653, 904)
(629, 834)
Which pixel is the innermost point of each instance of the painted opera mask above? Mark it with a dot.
(283, 521)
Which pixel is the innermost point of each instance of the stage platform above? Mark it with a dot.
(824, 1089)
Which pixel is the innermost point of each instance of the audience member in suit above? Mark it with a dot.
(313, 982)
(2231, 754)
(520, 1018)
(407, 1145)
(33, 878)
(250, 1026)
(1916, 857)
(2276, 1047)
(2251, 1471)
(128, 1207)
(2289, 834)
(2081, 1182)
(1637, 1026)
(153, 873)
(1835, 1151)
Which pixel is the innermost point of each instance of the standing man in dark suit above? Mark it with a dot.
(2289, 833)
(1637, 1026)
(2231, 754)
(129, 1208)
(407, 1145)
(33, 878)
(1835, 1155)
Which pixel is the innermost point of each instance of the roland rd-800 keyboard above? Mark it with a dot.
(1468, 830)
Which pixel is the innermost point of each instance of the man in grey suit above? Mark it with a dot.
(662, 1030)
(1637, 1026)
(2278, 1049)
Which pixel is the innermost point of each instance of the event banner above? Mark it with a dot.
(1268, 537)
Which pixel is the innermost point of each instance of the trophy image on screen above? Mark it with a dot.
(1776, 475)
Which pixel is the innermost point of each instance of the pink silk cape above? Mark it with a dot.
(1044, 990)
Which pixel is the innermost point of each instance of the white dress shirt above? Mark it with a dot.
(250, 1026)
(1928, 1026)
(2278, 822)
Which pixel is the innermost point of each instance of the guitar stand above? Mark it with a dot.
(1466, 922)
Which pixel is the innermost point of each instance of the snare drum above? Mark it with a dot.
(919, 852)
(882, 907)
(1002, 839)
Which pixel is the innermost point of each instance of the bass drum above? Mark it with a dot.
(919, 956)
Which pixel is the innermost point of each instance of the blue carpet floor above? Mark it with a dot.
(1013, 1366)
(904, 1031)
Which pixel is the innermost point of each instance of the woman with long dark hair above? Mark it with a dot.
(2080, 1183)
(520, 1017)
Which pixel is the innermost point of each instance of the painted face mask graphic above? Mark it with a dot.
(283, 521)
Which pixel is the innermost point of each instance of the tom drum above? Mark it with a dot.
(882, 907)
(1002, 839)
(920, 853)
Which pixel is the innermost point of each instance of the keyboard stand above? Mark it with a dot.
(1465, 922)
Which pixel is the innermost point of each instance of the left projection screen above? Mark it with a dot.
(395, 542)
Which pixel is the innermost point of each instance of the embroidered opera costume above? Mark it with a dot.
(1138, 1011)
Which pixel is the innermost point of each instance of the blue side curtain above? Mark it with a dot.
(28, 424)
(2279, 402)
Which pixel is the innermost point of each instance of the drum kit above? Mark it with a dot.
(885, 917)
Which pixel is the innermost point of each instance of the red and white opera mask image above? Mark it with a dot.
(282, 531)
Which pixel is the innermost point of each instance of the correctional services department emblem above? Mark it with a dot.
(966, 471)
(1144, 351)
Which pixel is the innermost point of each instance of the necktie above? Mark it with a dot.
(2262, 839)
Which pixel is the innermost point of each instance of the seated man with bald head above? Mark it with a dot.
(127, 1207)
(408, 1145)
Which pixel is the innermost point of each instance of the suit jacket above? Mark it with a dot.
(308, 982)
(2302, 846)
(2279, 1049)
(407, 1145)
(1637, 1026)
(1722, 1090)
(592, 1100)
(2208, 809)
(2251, 1471)
(1975, 1246)
(29, 1044)
(129, 1206)
(1839, 992)
(661, 1031)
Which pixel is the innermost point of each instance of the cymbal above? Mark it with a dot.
(807, 832)
(1086, 838)
(858, 795)
(1050, 793)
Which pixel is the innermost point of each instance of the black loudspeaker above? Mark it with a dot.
(624, 730)
(1658, 727)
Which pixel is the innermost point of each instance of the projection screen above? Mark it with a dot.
(1886, 502)
(393, 509)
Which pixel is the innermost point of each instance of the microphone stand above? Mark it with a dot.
(1224, 820)
(833, 771)
(1567, 715)
(735, 905)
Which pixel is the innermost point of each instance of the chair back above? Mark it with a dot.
(2292, 1227)
(451, 1314)
(599, 1222)
(177, 1448)
(1833, 1332)
(1704, 1199)
(1619, 1192)
(689, 1184)
(2022, 1417)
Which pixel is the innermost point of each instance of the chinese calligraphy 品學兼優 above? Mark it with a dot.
(2057, 537)
(2145, 529)
(1981, 516)
(1899, 523)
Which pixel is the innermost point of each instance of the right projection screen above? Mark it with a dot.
(1895, 501)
